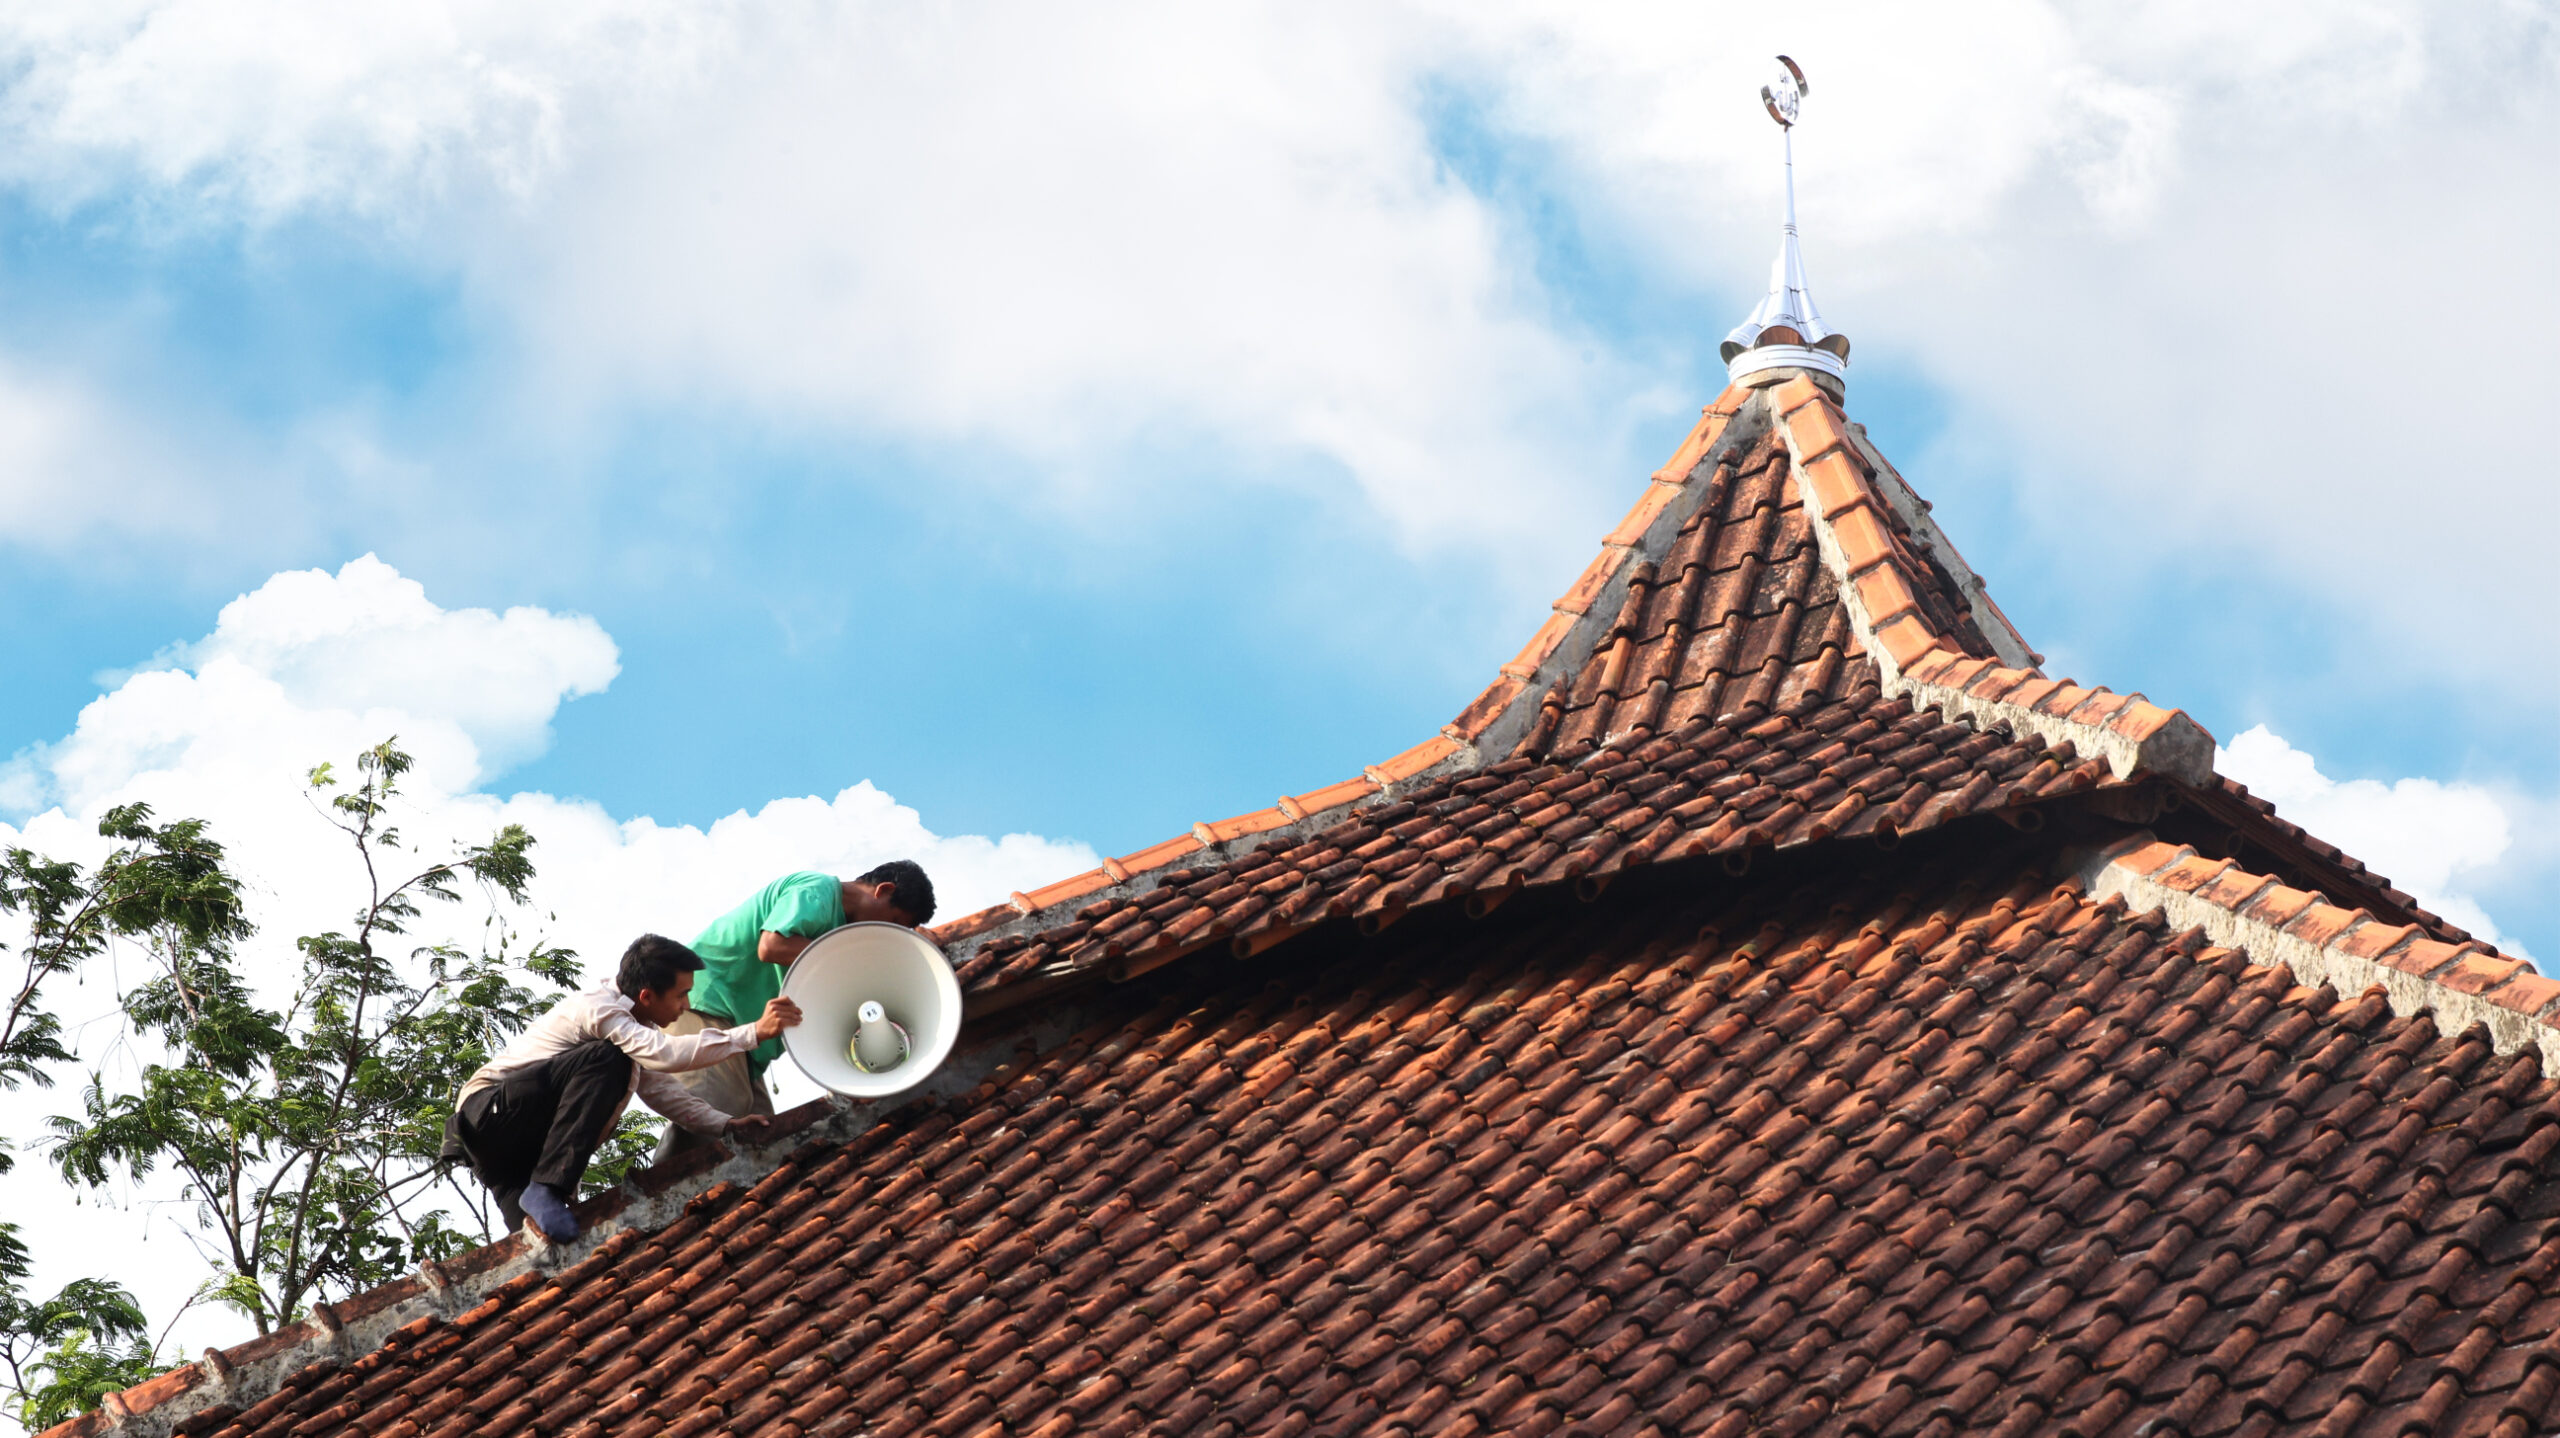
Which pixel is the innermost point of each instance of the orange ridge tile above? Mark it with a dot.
(2459, 984)
(1863, 543)
(2191, 873)
(1656, 498)
(1412, 761)
(2278, 905)
(1905, 638)
(2129, 731)
(1795, 394)
(1488, 707)
(2033, 691)
(2233, 888)
(2323, 924)
(1228, 830)
(1595, 578)
(1316, 801)
(1999, 682)
(1837, 484)
(1817, 430)
(2097, 708)
(1090, 881)
(2373, 940)
(2141, 719)
(1702, 437)
(1885, 594)
(969, 926)
(2478, 973)
(2527, 993)
(2064, 698)
(1962, 673)
(1156, 856)
(1550, 637)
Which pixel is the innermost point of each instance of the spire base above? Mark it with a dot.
(1752, 363)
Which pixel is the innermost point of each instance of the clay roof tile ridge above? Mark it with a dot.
(2457, 985)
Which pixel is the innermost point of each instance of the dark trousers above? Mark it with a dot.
(541, 1123)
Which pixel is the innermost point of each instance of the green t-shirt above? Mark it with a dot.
(734, 983)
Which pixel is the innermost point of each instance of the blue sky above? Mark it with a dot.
(1112, 589)
(798, 435)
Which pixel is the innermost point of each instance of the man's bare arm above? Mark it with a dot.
(776, 948)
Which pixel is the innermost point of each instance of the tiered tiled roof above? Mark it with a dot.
(1928, 1146)
(1692, 1037)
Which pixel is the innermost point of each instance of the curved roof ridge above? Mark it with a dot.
(2457, 984)
(1484, 731)
(1906, 588)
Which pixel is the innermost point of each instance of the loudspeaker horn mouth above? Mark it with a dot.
(880, 1010)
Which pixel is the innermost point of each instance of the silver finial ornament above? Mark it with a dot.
(1785, 330)
(1784, 97)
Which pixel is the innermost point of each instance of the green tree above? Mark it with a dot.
(164, 884)
(63, 1353)
(306, 1137)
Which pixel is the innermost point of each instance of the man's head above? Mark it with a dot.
(897, 892)
(657, 976)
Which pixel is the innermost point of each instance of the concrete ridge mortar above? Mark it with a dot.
(2456, 985)
(154, 1409)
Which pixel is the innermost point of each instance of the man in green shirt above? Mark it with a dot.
(745, 952)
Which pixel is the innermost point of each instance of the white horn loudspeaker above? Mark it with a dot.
(879, 1009)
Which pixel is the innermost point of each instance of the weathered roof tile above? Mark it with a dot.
(1897, 1140)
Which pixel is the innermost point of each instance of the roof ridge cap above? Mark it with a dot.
(444, 1292)
(1487, 728)
(1838, 473)
(2456, 985)
(2132, 732)
(1836, 468)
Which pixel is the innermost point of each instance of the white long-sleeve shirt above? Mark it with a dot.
(656, 1055)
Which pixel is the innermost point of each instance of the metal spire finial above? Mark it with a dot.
(1785, 330)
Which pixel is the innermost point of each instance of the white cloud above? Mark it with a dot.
(73, 462)
(2189, 270)
(2432, 839)
(315, 666)
(2176, 263)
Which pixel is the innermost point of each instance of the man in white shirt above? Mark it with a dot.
(529, 1119)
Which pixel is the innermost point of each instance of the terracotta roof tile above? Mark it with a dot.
(1413, 761)
(1242, 825)
(1928, 1147)
(1156, 856)
(1883, 1143)
(2287, 844)
(2462, 983)
(1595, 577)
(1818, 429)
(1839, 488)
(1541, 645)
(1649, 507)
(1090, 881)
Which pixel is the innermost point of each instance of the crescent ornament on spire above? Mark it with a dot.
(1785, 331)
(1786, 95)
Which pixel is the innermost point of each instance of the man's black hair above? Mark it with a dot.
(914, 892)
(652, 962)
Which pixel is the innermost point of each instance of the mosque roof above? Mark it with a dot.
(1773, 1006)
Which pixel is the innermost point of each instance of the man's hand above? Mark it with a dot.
(748, 1126)
(779, 1014)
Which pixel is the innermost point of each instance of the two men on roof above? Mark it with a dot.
(529, 1120)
